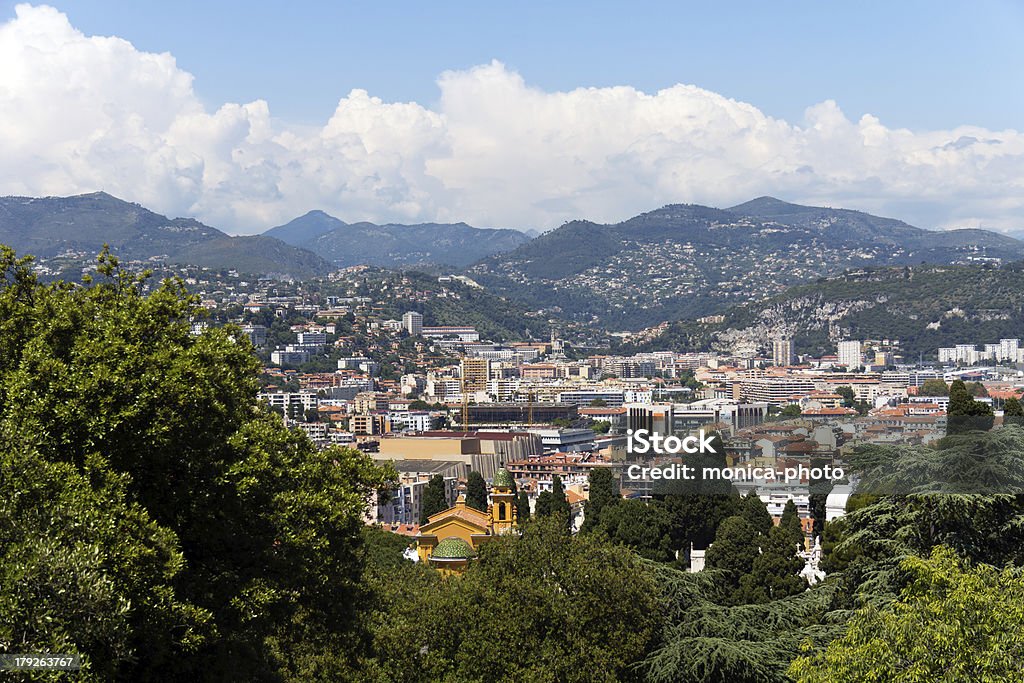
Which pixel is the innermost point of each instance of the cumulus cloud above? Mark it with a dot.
(81, 113)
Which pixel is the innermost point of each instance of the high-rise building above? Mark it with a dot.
(850, 354)
(782, 351)
(413, 322)
(1008, 349)
(475, 374)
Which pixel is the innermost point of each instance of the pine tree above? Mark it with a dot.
(434, 499)
(476, 491)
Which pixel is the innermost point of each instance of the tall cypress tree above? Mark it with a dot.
(476, 491)
(559, 503)
(790, 524)
(604, 491)
(434, 499)
(523, 507)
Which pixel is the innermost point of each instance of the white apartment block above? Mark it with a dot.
(849, 353)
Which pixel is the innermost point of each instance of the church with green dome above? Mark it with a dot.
(450, 539)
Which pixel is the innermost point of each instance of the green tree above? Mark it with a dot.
(774, 573)
(240, 517)
(598, 403)
(604, 492)
(792, 410)
(952, 622)
(1013, 412)
(978, 390)
(753, 509)
(790, 523)
(434, 498)
(734, 549)
(523, 507)
(582, 608)
(544, 503)
(848, 396)
(642, 526)
(559, 502)
(964, 413)
(476, 491)
(933, 387)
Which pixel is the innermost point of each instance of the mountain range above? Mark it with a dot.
(685, 261)
(394, 245)
(50, 226)
(678, 262)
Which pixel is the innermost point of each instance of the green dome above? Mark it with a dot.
(503, 480)
(452, 548)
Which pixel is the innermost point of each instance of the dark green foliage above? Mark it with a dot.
(964, 413)
(544, 607)
(523, 507)
(707, 640)
(476, 491)
(753, 509)
(543, 505)
(774, 573)
(1013, 412)
(933, 387)
(559, 502)
(735, 547)
(1013, 408)
(790, 523)
(434, 498)
(604, 492)
(644, 527)
(952, 622)
(83, 570)
(185, 518)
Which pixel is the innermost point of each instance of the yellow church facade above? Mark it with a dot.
(451, 538)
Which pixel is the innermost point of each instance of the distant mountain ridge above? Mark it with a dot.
(685, 260)
(49, 226)
(395, 245)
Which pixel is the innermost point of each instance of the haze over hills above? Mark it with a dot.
(684, 261)
(49, 226)
(394, 245)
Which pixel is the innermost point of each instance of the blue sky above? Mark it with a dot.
(913, 64)
(248, 114)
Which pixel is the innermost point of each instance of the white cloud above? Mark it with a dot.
(80, 113)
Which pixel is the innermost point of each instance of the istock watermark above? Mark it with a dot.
(644, 442)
